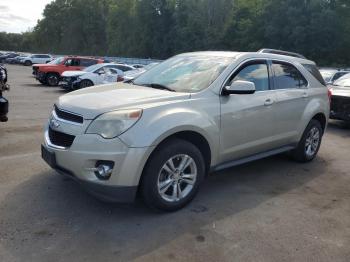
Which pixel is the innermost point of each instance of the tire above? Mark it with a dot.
(43, 82)
(158, 170)
(85, 83)
(27, 63)
(52, 79)
(310, 143)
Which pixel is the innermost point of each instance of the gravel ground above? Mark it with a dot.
(270, 210)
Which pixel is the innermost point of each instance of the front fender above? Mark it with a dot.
(156, 125)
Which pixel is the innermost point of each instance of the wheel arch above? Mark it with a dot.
(87, 79)
(190, 136)
(320, 117)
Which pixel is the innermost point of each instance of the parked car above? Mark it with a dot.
(138, 66)
(50, 73)
(16, 60)
(340, 99)
(130, 75)
(6, 56)
(36, 59)
(331, 75)
(192, 114)
(93, 75)
(4, 104)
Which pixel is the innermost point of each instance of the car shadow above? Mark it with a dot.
(55, 217)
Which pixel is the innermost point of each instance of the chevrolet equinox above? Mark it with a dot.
(162, 133)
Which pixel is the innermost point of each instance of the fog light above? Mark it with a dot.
(104, 169)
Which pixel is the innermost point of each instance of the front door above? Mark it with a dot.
(247, 121)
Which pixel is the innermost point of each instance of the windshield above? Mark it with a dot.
(56, 61)
(185, 73)
(92, 68)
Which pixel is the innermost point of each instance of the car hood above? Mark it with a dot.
(341, 91)
(73, 73)
(93, 101)
(45, 65)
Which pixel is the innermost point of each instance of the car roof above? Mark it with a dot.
(83, 57)
(248, 54)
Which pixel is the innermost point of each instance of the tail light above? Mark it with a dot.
(120, 79)
(329, 94)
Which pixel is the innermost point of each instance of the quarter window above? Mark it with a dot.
(257, 73)
(287, 76)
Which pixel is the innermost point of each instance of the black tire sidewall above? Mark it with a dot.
(52, 75)
(27, 63)
(300, 154)
(85, 81)
(149, 182)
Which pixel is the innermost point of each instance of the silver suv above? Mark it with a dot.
(162, 133)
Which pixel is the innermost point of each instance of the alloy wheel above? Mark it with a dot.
(177, 177)
(312, 142)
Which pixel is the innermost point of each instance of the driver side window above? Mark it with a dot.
(257, 73)
(68, 62)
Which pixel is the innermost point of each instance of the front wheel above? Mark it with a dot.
(172, 175)
(27, 63)
(52, 79)
(85, 83)
(310, 142)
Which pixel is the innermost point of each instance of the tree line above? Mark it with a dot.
(319, 29)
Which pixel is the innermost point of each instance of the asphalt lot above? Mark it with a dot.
(270, 210)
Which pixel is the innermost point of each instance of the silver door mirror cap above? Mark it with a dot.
(240, 87)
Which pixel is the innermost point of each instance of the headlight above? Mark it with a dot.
(113, 124)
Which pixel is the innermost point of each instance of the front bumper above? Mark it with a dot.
(78, 162)
(4, 108)
(40, 76)
(340, 108)
(70, 84)
(345, 116)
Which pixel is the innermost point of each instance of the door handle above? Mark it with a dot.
(268, 102)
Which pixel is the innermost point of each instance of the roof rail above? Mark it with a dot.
(280, 52)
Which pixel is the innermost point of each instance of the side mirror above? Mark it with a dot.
(239, 87)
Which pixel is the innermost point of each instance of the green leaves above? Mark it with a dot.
(319, 29)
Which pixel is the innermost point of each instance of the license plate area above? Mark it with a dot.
(49, 157)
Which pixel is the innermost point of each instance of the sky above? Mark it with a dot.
(18, 16)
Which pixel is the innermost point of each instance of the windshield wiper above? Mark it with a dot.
(160, 86)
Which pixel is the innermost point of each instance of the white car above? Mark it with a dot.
(36, 59)
(130, 75)
(331, 75)
(98, 74)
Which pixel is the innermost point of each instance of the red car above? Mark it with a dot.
(50, 73)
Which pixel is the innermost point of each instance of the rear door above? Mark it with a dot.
(292, 96)
(85, 62)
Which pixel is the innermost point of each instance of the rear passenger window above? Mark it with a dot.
(287, 76)
(87, 62)
(257, 73)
